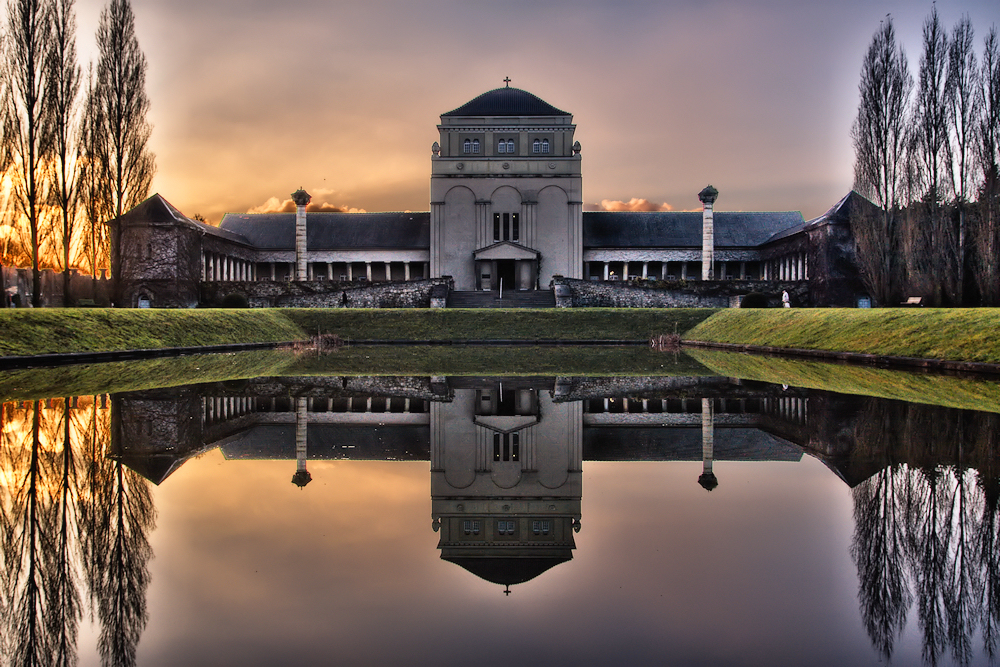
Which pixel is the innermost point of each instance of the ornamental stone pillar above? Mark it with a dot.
(707, 197)
(301, 199)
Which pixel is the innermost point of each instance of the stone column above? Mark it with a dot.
(368, 271)
(406, 270)
(707, 197)
(301, 199)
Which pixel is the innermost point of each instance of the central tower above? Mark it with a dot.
(506, 194)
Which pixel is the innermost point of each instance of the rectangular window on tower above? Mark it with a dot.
(515, 227)
(506, 226)
(496, 226)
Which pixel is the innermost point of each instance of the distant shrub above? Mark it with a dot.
(754, 300)
(235, 300)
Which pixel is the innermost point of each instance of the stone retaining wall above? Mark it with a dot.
(325, 294)
(575, 293)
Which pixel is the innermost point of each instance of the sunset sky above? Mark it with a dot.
(252, 99)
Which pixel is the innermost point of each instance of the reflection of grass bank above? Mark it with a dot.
(118, 376)
(953, 392)
(61, 330)
(122, 376)
(496, 361)
(959, 334)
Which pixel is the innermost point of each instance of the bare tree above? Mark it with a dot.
(987, 231)
(26, 130)
(962, 105)
(92, 195)
(879, 137)
(63, 92)
(120, 161)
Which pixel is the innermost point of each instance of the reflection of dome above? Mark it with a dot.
(507, 571)
(301, 478)
(708, 481)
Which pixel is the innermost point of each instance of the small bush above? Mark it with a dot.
(235, 300)
(754, 300)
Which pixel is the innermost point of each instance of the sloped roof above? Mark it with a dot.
(157, 209)
(839, 213)
(333, 230)
(506, 102)
(680, 229)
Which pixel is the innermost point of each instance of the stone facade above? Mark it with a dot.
(571, 293)
(505, 214)
(323, 294)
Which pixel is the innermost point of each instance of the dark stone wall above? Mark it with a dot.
(325, 294)
(161, 261)
(673, 293)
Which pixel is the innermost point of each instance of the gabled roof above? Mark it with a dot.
(681, 229)
(506, 102)
(276, 231)
(156, 209)
(839, 213)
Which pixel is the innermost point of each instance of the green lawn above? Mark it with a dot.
(58, 330)
(959, 334)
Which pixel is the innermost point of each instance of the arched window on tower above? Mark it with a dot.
(510, 145)
(501, 146)
(475, 146)
(545, 145)
(536, 146)
(467, 146)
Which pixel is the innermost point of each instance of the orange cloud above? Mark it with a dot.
(275, 205)
(633, 204)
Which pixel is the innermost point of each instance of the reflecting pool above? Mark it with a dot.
(568, 520)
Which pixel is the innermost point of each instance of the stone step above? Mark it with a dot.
(518, 299)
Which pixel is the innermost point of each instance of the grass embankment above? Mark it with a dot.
(967, 334)
(62, 330)
(949, 391)
(496, 324)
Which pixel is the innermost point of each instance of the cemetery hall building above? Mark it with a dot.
(506, 226)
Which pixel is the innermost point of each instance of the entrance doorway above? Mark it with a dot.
(506, 275)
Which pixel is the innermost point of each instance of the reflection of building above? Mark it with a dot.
(506, 468)
(506, 211)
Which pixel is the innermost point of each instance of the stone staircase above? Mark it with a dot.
(511, 299)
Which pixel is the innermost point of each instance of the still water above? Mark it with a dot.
(494, 521)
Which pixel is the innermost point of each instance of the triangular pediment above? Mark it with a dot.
(505, 250)
(506, 424)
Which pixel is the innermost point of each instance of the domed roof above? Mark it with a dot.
(507, 102)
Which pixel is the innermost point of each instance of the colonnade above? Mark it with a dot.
(218, 267)
(672, 270)
(793, 266)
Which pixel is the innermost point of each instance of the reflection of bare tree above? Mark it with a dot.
(23, 548)
(69, 511)
(928, 530)
(879, 552)
(119, 517)
(63, 593)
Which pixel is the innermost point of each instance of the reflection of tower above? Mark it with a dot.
(301, 476)
(506, 479)
(707, 478)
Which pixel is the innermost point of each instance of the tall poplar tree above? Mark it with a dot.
(879, 135)
(117, 105)
(26, 124)
(63, 94)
